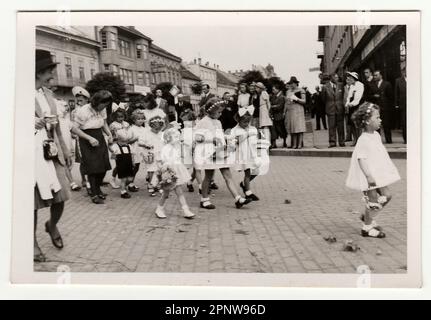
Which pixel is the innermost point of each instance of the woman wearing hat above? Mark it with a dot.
(51, 155)
(353, 100)
(265, 122)
(294, 112)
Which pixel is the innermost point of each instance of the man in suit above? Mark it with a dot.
(383, 96)
(401, 100)
(319, 108)
(332, 96)
(184, 110)
(206, 94)
(369, 85)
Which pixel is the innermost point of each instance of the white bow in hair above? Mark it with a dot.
(121, 106)
(242, 111)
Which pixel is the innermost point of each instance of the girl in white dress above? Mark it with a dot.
(137, 132)
(246, 139)
(152, 144)
(172, 172)
(211, 153)
(371, 170)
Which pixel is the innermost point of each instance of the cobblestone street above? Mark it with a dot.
(268, 236)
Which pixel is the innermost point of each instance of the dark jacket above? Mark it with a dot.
(277, 107)
(180, 109)
(205, 99)
(385, 96)
(401, 93)
(227, 117)
(333, 100)
(369, 90)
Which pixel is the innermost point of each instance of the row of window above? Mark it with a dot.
(69, 68)
(142, 78)
(124, 47)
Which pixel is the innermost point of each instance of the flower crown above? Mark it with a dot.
(368, 111)
(156, 119)
(214, 105)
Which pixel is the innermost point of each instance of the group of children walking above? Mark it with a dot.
(169, 151)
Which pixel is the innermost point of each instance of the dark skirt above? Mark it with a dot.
(124, 163)
(60, 196)
(94, 159)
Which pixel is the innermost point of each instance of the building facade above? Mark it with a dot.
(188, 79)
(337, 46)
(205, 72)
(354, 48)
(225, 84)
(125, 52)
(76, 49)
(165, 67)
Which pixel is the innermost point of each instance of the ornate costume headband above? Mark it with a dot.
(242, 111)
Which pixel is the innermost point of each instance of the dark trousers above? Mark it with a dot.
(321, 116)
(96, 181)
(403, 120)
(387, 122)
(336, 126)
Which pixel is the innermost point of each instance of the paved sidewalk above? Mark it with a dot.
(316, 145)
(266, 236)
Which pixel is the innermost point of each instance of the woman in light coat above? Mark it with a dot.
(265, 122)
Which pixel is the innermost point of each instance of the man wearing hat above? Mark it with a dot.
(332, 96)
(353, 100)
(51, 155)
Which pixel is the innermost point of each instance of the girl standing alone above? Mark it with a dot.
(371, 170)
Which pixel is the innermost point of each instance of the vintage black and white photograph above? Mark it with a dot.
(222, 145)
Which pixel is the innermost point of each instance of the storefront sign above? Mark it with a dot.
(141, 89)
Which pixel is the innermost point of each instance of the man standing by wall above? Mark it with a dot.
(332, 96)
(383, 96)
(401, 100)
(319, 109)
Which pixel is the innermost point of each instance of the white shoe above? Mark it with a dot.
(187, 213)
(113, 184)
(160, 213)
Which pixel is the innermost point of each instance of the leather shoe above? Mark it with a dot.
(58, 241)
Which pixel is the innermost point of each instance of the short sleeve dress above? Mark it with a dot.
(208, 156)
(246, 152)
(383, 170)
(295, 114)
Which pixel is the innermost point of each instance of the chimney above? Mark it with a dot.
(194, 61)
(207, 63)
(199, 60)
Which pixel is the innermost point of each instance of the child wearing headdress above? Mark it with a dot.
(245, 137)
(152, 144)
(172, 173)
(137, 132)
(211, 153)
(371, 169)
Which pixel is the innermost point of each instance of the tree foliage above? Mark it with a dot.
(107, 81)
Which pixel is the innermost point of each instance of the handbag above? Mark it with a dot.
(50, 150)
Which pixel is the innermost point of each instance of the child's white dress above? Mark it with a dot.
(155, 140)
(187, 146)
(171, 155)
(151, 113)
(246, 151)
(382, 169)
(206, 154)
(137, 151)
